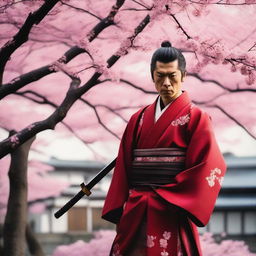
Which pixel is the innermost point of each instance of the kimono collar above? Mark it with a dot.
(158, 110)
(151, 130)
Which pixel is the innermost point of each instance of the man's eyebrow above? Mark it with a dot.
(163, 73)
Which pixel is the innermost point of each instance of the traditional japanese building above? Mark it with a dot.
(235, 210)
(234, 215)
(85, 216)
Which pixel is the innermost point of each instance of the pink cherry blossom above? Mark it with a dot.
(216, 37)
(14, 140)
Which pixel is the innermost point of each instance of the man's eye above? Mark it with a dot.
(172, 76)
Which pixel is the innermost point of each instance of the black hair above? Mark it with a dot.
(166, 53)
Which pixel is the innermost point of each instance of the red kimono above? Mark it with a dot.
(161, 218)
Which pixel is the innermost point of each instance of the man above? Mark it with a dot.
(168, 172)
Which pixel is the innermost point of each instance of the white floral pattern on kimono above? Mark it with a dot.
(163, 242)
(181, 120)
(164, 253)
(211, 179)
(150, 241)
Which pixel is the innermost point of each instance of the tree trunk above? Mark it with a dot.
(16, 216)
(34, 247)
(1, 239)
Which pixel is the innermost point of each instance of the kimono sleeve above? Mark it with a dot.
(119, 188)
(197, 187)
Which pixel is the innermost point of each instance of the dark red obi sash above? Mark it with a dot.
(156, 166)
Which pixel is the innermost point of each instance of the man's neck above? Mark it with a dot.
(164, 103)
(162, 106)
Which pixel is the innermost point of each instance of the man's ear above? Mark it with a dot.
(183, 76)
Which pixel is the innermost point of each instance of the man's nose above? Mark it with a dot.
(166, 82)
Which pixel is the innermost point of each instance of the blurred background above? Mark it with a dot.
(71, 75)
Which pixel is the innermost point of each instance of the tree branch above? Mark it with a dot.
(179, 25)
(36, 97)
(130, 84)
(227, 114)
(221, 2)
(251, 48)
(99, 119)
(237, 90)
(142, 4)
(22, 36)
(81, 10)
(14, 228)
(73, 94)
(114, 111)
(34, 246)
(74, 51)
(43, 100)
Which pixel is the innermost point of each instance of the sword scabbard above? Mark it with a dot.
(85, 189)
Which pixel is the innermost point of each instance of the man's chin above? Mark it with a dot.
(167, 99)
(169, 96)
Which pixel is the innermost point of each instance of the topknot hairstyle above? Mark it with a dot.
(166, 44)
(166, 53)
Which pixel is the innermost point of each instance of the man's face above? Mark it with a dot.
(168, 80)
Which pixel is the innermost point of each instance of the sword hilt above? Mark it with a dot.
(85, 189)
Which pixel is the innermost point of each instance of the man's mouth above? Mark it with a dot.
(166, 91)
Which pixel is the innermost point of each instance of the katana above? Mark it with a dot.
(85, 189)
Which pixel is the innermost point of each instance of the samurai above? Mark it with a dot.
(169, 170)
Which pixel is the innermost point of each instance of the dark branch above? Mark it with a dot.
(221, 2)
(36, 97)
(113, 59)
(36, 74)
(22, 35)
(99, 119)
(232, 118)
(237, 90)
(179, 25)
(131, 84)
(73, 94)
(114, 111)
(251, 49)
(141, 4)
(81, 10)
(227, 114)
(86, 143)
(40, 99)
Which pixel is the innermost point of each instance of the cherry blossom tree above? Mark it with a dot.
(82, 67)
(16, 229)
(87, 52)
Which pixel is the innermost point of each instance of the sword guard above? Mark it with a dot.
(85, 189)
